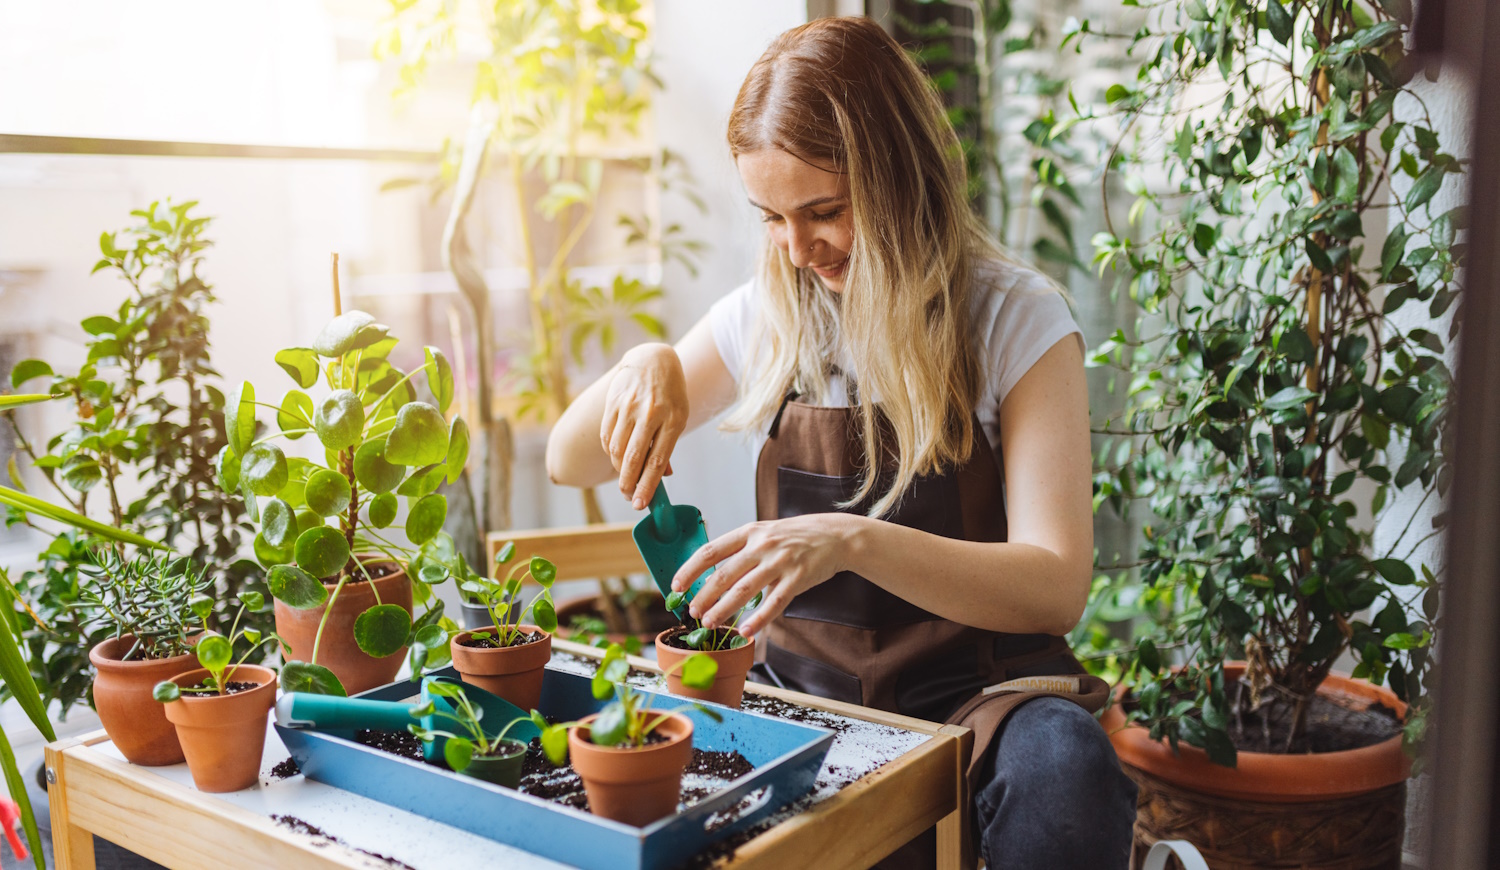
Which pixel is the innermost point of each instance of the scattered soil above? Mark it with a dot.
(233, 687)
(402, 743)
(312, 830)
(720, 638)
(286, 769)
(1334, 724)
(782, 710)
(489, 643)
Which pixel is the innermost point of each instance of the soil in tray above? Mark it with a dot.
(487, 643)
(720, 638)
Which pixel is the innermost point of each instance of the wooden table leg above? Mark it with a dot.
(953, 835)
(72, 846)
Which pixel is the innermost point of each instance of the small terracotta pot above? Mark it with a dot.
(224, 736)
(634, 786)
(729, 684)
(503, 769)
(658, 617)
(136, 722)
(339, 652)
(513, 672)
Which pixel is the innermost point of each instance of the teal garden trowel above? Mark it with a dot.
(668, 537)
(330, 713)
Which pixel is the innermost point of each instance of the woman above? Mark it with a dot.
(889, 361)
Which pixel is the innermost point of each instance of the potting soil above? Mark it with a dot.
(488, 643)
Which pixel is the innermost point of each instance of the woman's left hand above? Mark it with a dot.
(782, 557)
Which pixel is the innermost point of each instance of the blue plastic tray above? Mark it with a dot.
(786, 755)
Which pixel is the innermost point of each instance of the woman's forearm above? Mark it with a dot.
(1010, 587)
(575, 456)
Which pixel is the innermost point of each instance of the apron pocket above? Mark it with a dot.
(933, 689)
(803, 674)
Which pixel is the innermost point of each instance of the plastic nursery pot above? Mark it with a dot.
(339, 653)
(729, 684)
(501, 769)
(512, 672)
(135, 721)
(636, 786)
(223, 736)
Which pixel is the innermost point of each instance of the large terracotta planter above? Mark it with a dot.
(729, 683)
(634, 786)
(223, 737)
(1312, 810)
(135, 721)
(514, 673)
(338, 652)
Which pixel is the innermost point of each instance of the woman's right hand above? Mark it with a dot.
(645, 412)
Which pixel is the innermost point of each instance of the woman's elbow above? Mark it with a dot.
(1073, 600)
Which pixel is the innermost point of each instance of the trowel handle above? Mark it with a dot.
(327, 712)
(662, 516)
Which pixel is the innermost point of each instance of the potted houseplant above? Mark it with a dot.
(731, 651)
(343, 592)
(629, 756)
(1287, 378)
(154, 608)
(472, 753)
(509, 658)
(220, 710)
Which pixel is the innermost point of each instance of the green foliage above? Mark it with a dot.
(502, 599)
(714, 639)
(1276, 364)
(475, 741)
(162, 601)
(216, 653)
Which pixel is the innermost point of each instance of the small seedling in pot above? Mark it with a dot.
(215, 652)
(461, 750)
(705, 639)
(628, 720)
(502, 599)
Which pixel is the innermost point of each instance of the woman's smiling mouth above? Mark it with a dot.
(834, 271)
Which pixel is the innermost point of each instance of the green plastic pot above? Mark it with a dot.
(502, 769)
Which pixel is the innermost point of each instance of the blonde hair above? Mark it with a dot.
(840, 94)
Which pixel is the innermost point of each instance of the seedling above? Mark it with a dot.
(629, 719)
(461, 749)
(714, 639)
(502, 600)
(215, 651)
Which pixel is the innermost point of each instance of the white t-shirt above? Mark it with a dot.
(1020, 318)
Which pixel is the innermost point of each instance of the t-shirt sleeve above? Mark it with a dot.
(731, 320)
(1029, 318)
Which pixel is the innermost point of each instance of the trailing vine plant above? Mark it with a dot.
(1288, 371)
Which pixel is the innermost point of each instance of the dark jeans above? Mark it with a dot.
(1054, 795)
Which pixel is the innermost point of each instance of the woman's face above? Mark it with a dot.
(806, 210)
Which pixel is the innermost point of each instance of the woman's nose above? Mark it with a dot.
(800, 245)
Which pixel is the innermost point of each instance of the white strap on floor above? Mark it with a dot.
(1186, 852)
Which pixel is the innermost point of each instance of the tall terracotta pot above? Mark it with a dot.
(224, 736)
(135, 721)
(1342, 810)
(634, 786)
(729, 683)
(338, 652)
(515, 673)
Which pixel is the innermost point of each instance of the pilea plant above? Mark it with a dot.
(216, 651)
(714, 639)
(502, 599)
(378, 442)
(629, 719)
(461, 749)
(1287, 375)
(162, 600)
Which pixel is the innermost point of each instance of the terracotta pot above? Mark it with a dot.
(136, 721)
(338, 652)
(224, 736)
(513, 672)
(503, 769)
(634, 786)
(1272, 810)
(729, 684)
(588, 605)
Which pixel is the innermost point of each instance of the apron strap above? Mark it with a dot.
(776, 421)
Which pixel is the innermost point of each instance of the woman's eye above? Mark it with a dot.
(828, 216)
(770, 218)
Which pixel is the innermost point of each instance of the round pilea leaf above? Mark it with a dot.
(542, 571)
(555, 743)
(308, 677)
(306, 519)
(610, 727)
(214, 652)
(301, 363)
(346, 332)
(339, 419)
(545, 615)
(431, 636)
(253, 601)
(698, 671)
(420, 436)
(458, 449)
(239, 417)
(426, 518)
(458, 752)
(382, 630)
(268, 555)
(295, 587)
(166, 691)
(383, 510)
(439, 378)
(328, 492)
(278, 525)
(296, 414)
(423, 481)
(227, 464)
(322, 552)
(371, 469)
(264, 468)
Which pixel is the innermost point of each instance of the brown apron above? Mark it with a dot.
(850, 640)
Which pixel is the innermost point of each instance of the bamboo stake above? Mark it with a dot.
(338, 305)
